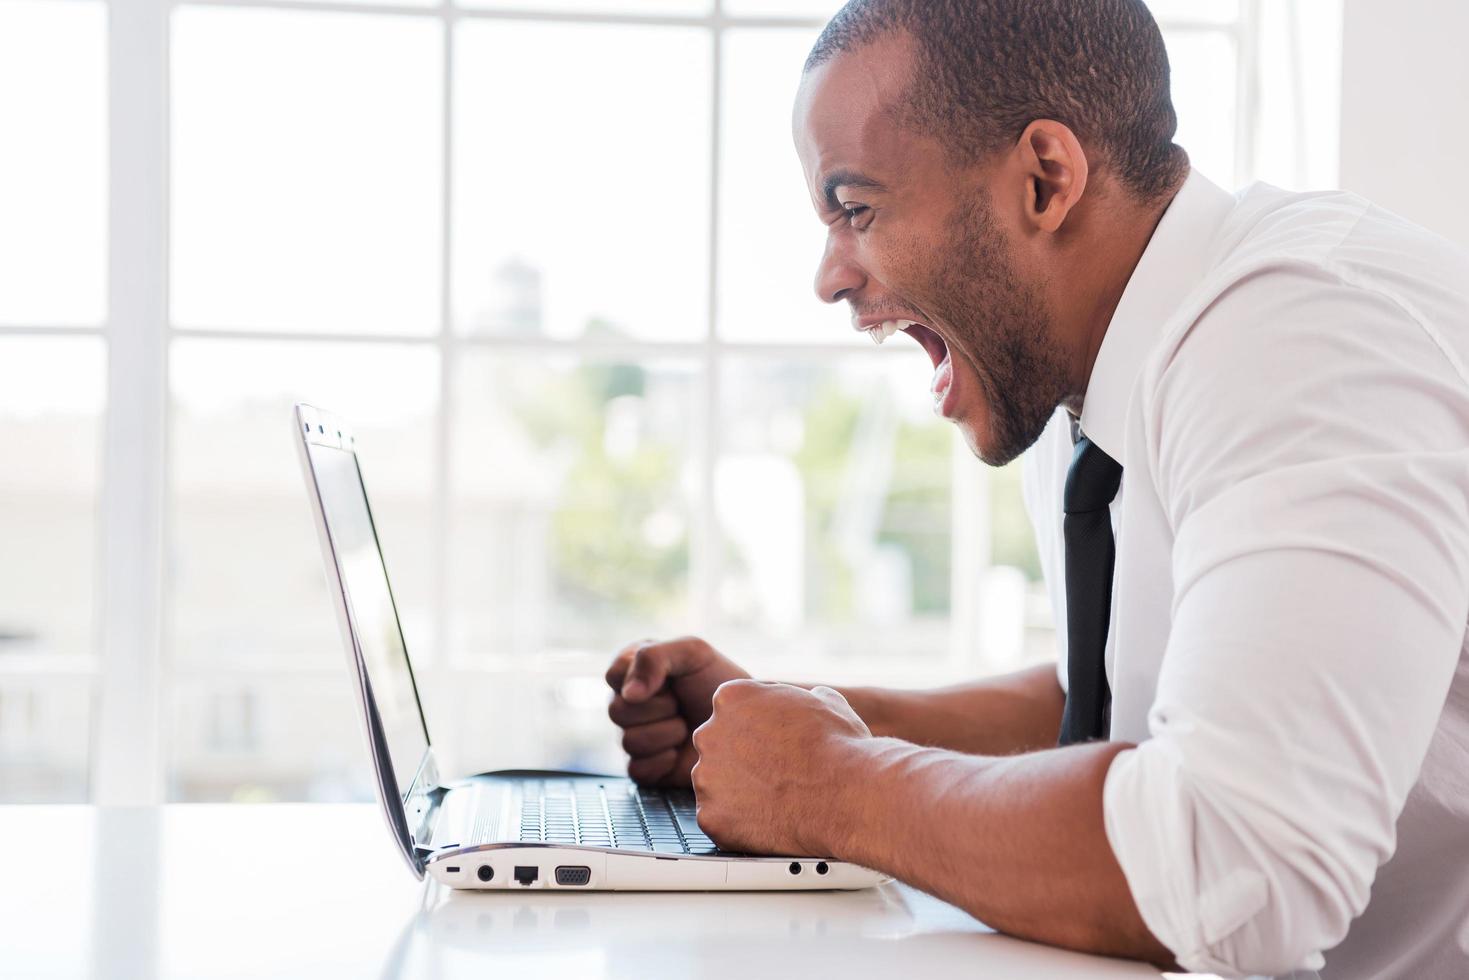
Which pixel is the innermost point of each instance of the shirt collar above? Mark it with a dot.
(1176, 258)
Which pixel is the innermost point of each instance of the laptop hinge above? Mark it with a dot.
(423, 811)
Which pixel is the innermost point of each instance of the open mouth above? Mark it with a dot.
(942, 385)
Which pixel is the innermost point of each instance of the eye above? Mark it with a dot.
(856, 213)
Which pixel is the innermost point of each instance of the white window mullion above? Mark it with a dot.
(443, 614)
(970, 557)
(705, 544)
(1247, 88)
(127, 756)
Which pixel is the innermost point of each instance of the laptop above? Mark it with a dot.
(509, 829)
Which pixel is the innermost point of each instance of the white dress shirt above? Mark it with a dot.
(1284, 384)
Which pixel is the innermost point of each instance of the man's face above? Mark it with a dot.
(913, 237)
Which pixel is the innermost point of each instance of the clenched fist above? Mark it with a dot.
(773, 760)
(663, 690)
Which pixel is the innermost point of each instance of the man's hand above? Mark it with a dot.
(662, 692)
(769, 762)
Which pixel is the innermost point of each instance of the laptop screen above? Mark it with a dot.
(374, 617)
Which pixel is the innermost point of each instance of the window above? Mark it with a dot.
(553, 260)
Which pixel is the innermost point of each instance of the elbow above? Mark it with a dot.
(1235, 883)
(1276, 914)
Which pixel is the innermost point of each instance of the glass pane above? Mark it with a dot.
(1016, 624)
(1214, 11)
(770, 238)
(247, 591)
(531, 715)
(259, 739)
(1217, 11)
(307, 165)
(1203, 67)
(45, 729)
(818, 9)
(245, 570)
(833, 495)
(1298, 127)
(571, 510)
(671, 8)
(52, 393)
(374, 3)
(581, 197)
(53, 170)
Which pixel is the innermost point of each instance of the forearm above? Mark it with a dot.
(1017, 842)
(1018, 712)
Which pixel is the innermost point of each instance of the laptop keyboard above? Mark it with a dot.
(610, 813)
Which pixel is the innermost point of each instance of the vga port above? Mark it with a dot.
(573, 874)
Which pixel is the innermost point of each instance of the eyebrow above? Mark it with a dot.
(844, 178)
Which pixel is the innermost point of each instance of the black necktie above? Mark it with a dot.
(1091, 485)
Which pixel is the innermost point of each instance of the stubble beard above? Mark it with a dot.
(1003, 322)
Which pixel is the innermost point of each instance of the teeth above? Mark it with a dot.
(882, 331)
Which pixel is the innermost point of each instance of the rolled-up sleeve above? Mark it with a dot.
(1312, 451)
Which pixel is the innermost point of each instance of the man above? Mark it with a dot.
(1263, 698)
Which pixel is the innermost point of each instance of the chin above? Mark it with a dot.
(976, 440)
(975, 421)
(982, 442)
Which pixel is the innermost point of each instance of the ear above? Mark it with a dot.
(1055, 169)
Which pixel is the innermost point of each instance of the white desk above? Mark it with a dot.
(318, 891)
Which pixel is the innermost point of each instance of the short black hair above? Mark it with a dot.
(986, 69)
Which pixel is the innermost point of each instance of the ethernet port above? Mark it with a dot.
(526, 875)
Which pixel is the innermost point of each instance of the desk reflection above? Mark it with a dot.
(886, 931)
(627, 934)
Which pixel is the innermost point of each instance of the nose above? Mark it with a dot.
(837, 275)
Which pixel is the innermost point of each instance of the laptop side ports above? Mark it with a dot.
(573, 874)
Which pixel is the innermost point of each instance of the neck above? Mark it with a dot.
(1106, 257)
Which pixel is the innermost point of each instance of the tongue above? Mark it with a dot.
(942, 378)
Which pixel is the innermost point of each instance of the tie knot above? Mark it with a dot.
(1092, 480)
